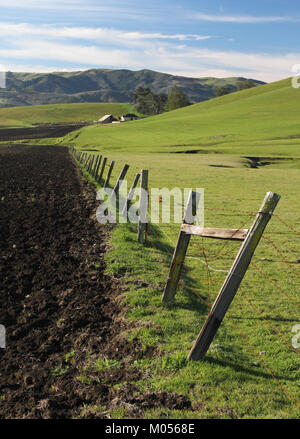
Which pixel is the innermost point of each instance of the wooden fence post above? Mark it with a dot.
(91, 164)
(234, 278)
(102, 170)
(120, 179)
(98, 166)
(130, 194)
(181, 249)
(88, 162)
(143, 215)
(111, 167)
(95, 166)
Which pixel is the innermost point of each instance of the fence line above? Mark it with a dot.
(87, 161)
(91, 163)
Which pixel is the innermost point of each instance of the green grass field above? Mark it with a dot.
(251, 370)
(60, 113)
(263, 121)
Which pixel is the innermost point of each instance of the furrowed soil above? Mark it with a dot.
(38, 132)
(65, 356)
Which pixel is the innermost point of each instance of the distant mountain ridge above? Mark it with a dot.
(103, 85)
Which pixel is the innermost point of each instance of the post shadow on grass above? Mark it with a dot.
(258, 370)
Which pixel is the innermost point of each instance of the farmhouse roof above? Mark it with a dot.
(107, 116)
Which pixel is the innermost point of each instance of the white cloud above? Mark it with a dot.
(17, 30)
(167, 57)
(114, 48)
(114, 9)
(240, 18)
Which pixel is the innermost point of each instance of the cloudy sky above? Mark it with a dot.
(257, 39)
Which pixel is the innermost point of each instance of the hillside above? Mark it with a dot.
(256, 119)
(60, 113)
(102, 85)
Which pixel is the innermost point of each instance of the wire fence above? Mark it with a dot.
(200, 253)
(208, 282)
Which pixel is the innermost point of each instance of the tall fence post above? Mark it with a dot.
(91, 165)
(143, 215)
(234, 278)
(120, 179)
(131, 194)
(97, 167)
(181, 248)
(111, 167)
(102, 170)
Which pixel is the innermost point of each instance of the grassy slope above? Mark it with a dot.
(258, 121)
(58, 113)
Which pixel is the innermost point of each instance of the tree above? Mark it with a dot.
(176, 99)
(243, 85)
(147, 102)
(222, 91)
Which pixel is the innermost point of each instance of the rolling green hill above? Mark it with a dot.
(102, 85)
(261, 121)
(60, 113)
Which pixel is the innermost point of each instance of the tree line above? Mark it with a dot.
(149, 103)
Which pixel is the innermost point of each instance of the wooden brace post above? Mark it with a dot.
(143, 215)
(234, 278)
(111, 167)
(181, 249)
(130, 194)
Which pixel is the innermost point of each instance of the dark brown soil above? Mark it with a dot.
(60, 310)
(38, 132)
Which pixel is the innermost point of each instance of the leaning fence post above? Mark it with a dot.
(91, 165)
(88, 162)
(102, 170)
(98, 166)
(130, 194)
(120, 179)
(181, 249)
(111, 167)
(143, 215)
(95, 166)
(234, 278)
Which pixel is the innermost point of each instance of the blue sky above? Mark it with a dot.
(257, 39)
